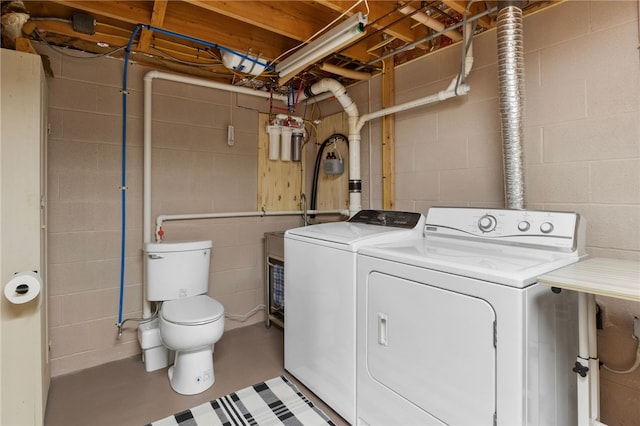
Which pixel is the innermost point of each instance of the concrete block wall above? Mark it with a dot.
(193, 171)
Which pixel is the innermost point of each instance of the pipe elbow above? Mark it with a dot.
(337, 90)
(151, 75)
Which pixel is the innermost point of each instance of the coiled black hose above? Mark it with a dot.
(316, 171)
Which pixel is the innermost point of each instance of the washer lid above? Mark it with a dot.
(393, 226)
(192, 310)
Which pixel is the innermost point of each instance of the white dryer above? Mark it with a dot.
(454, 329)
(320, 298)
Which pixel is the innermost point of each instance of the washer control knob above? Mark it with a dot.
(546, 227)
(487, 223)
(524, 226)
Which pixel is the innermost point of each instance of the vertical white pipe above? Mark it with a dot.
(340, 93)
(583, 392)
(594, 362)
(146, 199)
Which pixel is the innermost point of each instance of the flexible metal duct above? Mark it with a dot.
(511, 91)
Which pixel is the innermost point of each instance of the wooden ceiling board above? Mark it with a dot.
(290, 19)
(190, 20)
(267, 29)
(132, 12)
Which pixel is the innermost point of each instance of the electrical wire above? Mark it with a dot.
(245, 317)
(139, 320)
(64, 51)
(165, 54)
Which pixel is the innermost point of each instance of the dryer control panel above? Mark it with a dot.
(393, 218)
(561, 231)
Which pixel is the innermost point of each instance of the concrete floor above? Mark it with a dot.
(123, 393)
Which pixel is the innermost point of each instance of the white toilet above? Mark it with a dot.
(190, 322)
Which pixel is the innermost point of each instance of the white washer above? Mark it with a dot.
(454, 329)
(320, 299)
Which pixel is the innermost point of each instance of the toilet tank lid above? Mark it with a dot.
(192, 310)
(170, 246)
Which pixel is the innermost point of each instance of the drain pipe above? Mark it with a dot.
(161, 219)
(456, 88)
(511, 99)
(340, 93)
(148, 80)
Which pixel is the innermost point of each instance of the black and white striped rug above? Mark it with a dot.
(274, 402)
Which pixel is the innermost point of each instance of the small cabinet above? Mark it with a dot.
(274, 278)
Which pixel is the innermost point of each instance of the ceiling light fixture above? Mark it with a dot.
(333, 40)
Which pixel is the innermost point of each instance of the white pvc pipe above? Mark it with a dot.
(356, 123)
(212, 84)
(463, 89)
(169, 217)
(148, 80)
(350, 108)
(454, 89)
(594, 362)
(588, 387)
(322, 86)
(583, 391)
(583, 325)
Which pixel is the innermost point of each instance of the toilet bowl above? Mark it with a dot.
(189, 321)
(191, 326)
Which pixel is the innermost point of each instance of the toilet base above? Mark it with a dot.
(192, 371)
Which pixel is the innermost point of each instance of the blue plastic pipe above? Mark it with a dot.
(123, 187)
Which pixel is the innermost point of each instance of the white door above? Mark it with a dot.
(432, 347)
(24, 362)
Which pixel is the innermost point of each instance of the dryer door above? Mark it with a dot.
(433, 347)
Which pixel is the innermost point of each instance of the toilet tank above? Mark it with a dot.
(176, 269)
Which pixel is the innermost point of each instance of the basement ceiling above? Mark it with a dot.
(191, 36)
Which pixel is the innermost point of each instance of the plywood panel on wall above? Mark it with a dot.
(279, 182)
(333, 190)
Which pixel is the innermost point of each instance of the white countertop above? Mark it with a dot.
(617, 278)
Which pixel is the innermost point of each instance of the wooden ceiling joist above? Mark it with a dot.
(157, 19)
(266, 29)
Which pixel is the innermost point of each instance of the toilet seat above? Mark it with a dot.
(191, 311)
